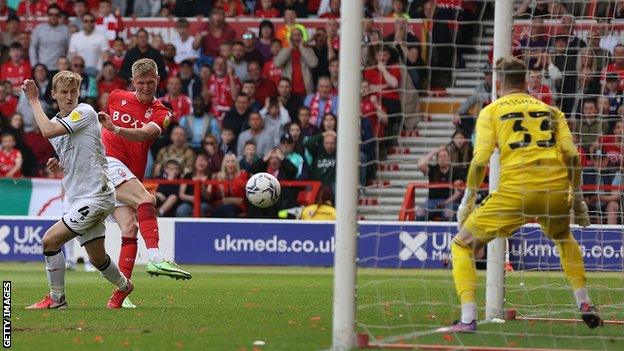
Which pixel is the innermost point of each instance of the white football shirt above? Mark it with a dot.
(81, 154)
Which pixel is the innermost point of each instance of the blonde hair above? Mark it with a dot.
(222, 175)
(66, 78)
(511, 71)
(144, 66)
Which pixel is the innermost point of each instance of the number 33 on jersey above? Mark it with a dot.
(525, 130)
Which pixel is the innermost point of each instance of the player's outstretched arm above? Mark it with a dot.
(48, 128)
(145, 133)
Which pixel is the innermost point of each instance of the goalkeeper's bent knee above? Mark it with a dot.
(464, 271)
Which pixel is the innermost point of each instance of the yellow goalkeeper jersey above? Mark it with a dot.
(533, 139)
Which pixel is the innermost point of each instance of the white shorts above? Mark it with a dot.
(85, 217)
(118, 174)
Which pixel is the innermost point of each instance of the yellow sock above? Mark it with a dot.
(464, 271)
(571, 261)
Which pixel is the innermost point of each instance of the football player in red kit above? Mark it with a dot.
(132, 121)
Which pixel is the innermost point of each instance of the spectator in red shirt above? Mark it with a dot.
(217, 31)
(8, 102)
(266, 10)
(224, 87)
(538, 90)
(232, 8)
(231, 195)
(118, 53)
(371, 108)
(169, 53)
(384, 77)
(16, 69)
(617, 66)
(612, 145)
(109, 80)
(10, 158)
(41, 148)
(297, 61)
(269, 70)
(32, 8)
(264, 86)
(108, 22)
(334, 10)
(181, 105)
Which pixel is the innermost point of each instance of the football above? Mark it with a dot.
(263, 190)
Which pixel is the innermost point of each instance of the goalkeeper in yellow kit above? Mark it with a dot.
(540, 176)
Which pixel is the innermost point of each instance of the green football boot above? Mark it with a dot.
(168, 268)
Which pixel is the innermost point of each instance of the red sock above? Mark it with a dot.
(127, 255)
(148, 225)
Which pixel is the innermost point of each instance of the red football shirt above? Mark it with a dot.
(7, 162)
(265, 88)
(26, 8)
(108, 87)
(610, 144)
(298, 84)
(368, 110)
(8, 106)
(221, 93)
(543, 94)
(374, 77)
(271, 71)
(612, 68)
(181, 106)
(117, 60)
(270, 13)
(127, 111)
(39, 145)
(15, 73)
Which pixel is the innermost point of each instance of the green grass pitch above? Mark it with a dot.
(228, 308)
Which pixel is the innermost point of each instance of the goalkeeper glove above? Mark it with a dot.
(581, 212)
(466, 207)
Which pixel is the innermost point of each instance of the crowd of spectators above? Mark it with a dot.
(266, 100)
(580, 72)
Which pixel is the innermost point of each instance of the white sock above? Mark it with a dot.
(55, 270)
(469, 312)
(110, 271)
(68, 248)
(154, 255)
(581, 297)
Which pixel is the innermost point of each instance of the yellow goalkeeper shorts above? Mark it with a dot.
(506, 210)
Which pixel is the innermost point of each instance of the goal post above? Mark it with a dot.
(347, 171)
(495, 276)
